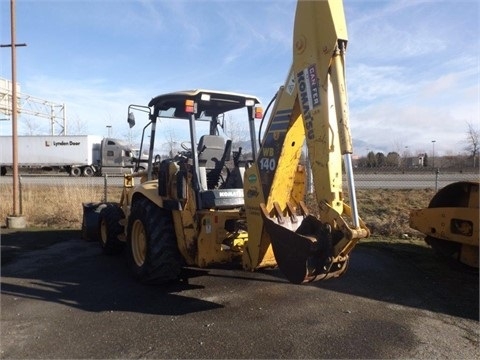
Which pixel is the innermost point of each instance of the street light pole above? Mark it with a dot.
(433, 153)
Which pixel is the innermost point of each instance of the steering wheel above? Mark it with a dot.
(186, 145)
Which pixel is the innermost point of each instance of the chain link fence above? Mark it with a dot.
(56, 200)
(406, 179)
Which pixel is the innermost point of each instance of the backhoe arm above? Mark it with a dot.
(311, 106)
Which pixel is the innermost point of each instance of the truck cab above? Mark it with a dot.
(117, 157)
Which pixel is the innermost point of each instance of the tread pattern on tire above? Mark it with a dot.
(163, 262)
(112, 214)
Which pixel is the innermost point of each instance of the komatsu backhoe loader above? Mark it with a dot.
(213, 204)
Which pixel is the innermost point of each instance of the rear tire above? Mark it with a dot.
(88, 171)
(75, 171)
(152, 251)
(110, 229)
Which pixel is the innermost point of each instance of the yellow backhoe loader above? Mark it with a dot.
(212, 204)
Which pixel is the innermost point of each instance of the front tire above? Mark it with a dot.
(152, 251)
(111, 230)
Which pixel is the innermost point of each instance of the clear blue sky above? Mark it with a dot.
(412, 65)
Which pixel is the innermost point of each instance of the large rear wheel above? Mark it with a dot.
(152, 251)
(111, 229)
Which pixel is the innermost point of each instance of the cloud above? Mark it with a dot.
(389, 127)
(372, 83)
(91, 102)
(413, 74)
(412, 66)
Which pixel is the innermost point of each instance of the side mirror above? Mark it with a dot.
(131, 119)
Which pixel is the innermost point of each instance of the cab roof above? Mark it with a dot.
(210, 102)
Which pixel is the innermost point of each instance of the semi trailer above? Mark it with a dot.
(78, 155)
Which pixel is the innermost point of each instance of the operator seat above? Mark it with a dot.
(213, 151)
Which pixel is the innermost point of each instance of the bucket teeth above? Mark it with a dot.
(303, 249)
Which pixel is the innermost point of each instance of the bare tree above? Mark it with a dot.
(31, 127)
(76, 126)
(237, 132)
(371, 160)
(393, 159)
(380, 159)
(171, 142)
(473, 137)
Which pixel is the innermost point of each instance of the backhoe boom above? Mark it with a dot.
(311, 106)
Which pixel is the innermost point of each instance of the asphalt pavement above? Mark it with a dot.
(62, 298)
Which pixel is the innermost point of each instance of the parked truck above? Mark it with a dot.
(78, 155)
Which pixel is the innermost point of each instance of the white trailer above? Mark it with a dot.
(77, 154)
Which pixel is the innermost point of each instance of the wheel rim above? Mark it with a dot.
(139, 243)
(75, 171)
(103, 232)
(88, 171)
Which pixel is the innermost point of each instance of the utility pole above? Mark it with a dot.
(16, 220)
(433, 153)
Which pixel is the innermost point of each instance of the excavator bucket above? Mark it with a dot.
(303, 250)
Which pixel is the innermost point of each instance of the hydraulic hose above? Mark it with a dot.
(263, 118)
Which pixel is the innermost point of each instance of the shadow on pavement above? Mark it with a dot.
(395, 272)
(59, 267)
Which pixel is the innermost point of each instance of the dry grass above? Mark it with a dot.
(386, 212)
(56, 206)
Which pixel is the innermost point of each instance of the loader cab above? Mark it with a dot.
(216, 176)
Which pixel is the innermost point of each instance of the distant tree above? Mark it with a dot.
(237, 132)
(76, 127)
(425, 160)
(32, 127)
(380, 159)
(362, 162)
(171, 142)
(393, 159)
(473, 138)
(371, 160)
